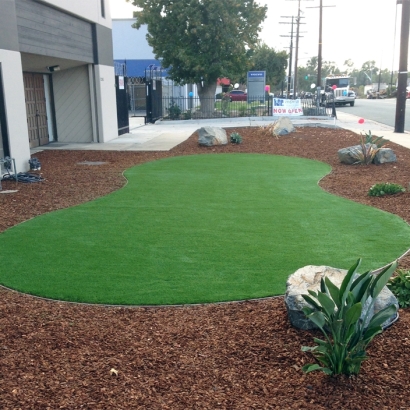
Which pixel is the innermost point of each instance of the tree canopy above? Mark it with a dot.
(271, 61)
(200, 41)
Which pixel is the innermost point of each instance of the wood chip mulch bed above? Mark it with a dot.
(56, 355)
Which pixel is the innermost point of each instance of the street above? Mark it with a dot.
(383, 111)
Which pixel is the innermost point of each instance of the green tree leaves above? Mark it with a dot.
(200, 41)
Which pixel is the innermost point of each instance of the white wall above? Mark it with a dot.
(87, 9)
(106, 104)
(13, 87)
(130, 43)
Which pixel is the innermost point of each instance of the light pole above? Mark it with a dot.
(402, 78)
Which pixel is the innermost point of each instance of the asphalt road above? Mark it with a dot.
(383, 111)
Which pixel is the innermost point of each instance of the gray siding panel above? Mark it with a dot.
(47, 31)
(8, 26)
(103, 39)
(73, 105)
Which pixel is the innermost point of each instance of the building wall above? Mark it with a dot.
(106, 103)
(75, 35)
(49, 32)
(13, 87)
(86, 9)
(73, 105)
(130, 43)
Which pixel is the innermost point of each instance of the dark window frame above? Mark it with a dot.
(103, 8)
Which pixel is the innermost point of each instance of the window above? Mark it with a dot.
(103, 8)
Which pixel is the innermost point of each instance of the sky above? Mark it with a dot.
(360, 30)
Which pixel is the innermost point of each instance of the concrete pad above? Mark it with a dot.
(164, 135)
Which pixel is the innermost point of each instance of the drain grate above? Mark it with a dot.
(92, 163)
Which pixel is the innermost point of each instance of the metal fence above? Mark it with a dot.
(186, 108)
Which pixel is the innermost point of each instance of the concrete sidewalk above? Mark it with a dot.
(164, 135)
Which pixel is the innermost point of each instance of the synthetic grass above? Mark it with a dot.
(199, 228)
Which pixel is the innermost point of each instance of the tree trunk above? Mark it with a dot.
(206, 93)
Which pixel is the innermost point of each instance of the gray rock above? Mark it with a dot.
(349, 155)
(309, 277)
(210, 136)
(283, 126)
(385, 155)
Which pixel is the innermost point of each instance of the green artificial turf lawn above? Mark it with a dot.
(199, 228)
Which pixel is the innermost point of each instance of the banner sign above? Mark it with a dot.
(282, 106)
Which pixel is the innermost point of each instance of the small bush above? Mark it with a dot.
(187, 115)
(385, 189)
(400, 286)
(236, 138)
(342, 314)
(174, 111)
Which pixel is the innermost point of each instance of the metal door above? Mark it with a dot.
(153, 78)
(36, 109)
(122, 105)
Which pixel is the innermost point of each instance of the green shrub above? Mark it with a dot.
(385, 189)
(400, 286)
(174, 111)
(342, 315)
(187, 115)
(242, 110)
(236, 138)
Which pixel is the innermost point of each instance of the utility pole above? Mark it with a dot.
(402, 79)
(319, 53)
(290, 54)
(295, 72)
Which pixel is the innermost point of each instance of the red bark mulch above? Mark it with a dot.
(55, 355)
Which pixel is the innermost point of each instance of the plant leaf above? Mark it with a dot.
(334, 291)
(381, 279)
(353, 314)
(327, 303)
(311, 301)
(347, 281)
(371, 333)
(318, 319)
(312, 367)
(309, 348)
(380, 317)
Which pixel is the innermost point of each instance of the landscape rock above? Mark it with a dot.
(349, 155)
(210, 136)
(309, 277)
(385, 155)
(283, 126)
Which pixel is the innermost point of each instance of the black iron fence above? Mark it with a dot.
(186, 108)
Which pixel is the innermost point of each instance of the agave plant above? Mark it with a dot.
(343, 316)
(236, 138)
(369, 146)
(368, 138)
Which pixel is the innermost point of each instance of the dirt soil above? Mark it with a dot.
(56, 355)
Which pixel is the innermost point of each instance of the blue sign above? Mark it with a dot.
(253, 74)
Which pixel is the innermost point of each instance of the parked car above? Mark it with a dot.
(238, 95)
(308, 94)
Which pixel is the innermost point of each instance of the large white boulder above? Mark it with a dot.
(309, 277)
(210, 136)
